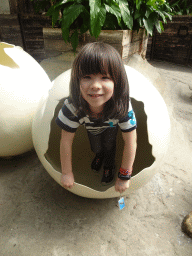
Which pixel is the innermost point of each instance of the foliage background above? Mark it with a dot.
(78, 16)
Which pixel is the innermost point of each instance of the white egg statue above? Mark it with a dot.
(22, 83)
(152, 138)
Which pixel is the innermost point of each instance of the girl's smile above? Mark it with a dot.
(96, 89)
(95, 95)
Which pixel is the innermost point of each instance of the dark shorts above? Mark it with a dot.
(105, 144)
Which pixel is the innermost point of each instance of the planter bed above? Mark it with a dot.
(125, 41)
(37, 37)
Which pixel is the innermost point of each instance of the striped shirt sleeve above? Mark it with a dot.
(129, 122)
(66, 119)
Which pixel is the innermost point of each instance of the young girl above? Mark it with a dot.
(99, 100)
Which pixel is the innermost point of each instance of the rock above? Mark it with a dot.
(186, 225)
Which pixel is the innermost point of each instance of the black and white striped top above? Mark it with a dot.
(69, 121)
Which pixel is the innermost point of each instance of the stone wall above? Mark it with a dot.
(175, 43)
(10, 29)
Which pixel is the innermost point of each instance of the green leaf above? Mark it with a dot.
(140, 22)
(138, 4)
(125, 13)
(148, 26)
(137, 14)
(162, 16)
(71, 13)
(108, 2)
(111, 22)
(151, 2)
(86, 21)
(168, 7)
(176, 3)
(75, 40)
(50, 11)
(65, 33)
(161, 24)
(158, 26)
(168, 15)
(114, 9)
(148, 12)
(97, 17)
(55, 16)
(84, 28)
(62, 2)
(95, 6)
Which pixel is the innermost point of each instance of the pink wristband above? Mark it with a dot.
(125, 171)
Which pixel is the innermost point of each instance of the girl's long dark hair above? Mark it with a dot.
(101, 58)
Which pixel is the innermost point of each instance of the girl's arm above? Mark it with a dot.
(67, 177)
(130, 146)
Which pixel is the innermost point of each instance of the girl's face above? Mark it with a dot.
(96, 89)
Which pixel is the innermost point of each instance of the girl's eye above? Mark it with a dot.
(86, 77)
(105, 77)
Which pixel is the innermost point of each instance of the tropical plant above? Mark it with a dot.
(181, 7)
(78, 16)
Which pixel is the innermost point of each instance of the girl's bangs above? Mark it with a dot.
(93, 63)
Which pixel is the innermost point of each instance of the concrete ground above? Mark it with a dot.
(40, 218)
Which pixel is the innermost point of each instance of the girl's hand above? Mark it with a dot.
(67, 180)
(121, 185)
